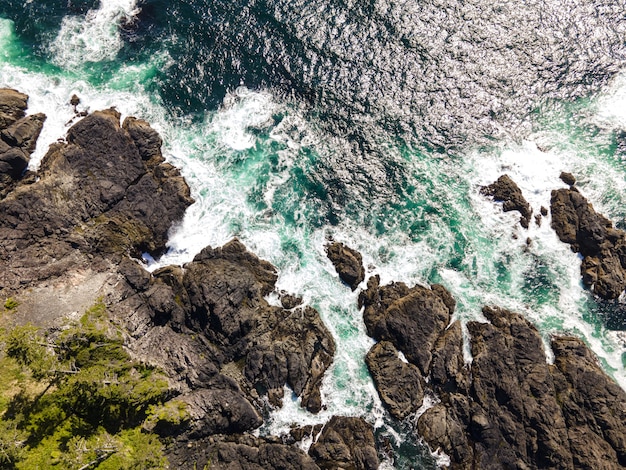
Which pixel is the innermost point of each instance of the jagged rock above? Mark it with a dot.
(411, 319)
(603, 247)
(220, 408)
(214, 315)
(147, 140)
(520, 412)
(399, 384)
(289, 301)
(94, 201)
(237, 452)
(298, 433)
(347, 262)
(448, 371)
(506, 191)
(346, 443)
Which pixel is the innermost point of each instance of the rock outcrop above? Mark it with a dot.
(506, 191)
(509, 408)
(18, 137)
(346, 443)
(602, 246)
(347, 262)
(70, 236)
(242, 452)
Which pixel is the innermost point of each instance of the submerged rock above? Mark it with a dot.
(347, 262)
(506, 191)
(602, 246)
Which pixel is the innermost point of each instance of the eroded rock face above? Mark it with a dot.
(347, 262)
(592, 235)
(506, 191)
(346, 443)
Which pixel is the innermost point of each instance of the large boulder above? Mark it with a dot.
(399, 383)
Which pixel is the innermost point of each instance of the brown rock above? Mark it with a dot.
(400, 385)
(603, 247)
(347, 262)
(567, 178)
(506, 191)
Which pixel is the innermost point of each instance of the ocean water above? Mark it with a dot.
(373, 123)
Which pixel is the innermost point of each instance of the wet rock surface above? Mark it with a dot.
(347, 262)
(399, 383)
(505, 190)
(602, 246)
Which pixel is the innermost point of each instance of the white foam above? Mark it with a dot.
(242, 110)
(610, 107)
(92, 38)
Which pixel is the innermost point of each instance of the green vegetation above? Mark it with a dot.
(75, 400)
(10, 303)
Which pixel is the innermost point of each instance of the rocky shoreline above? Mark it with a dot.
(71, 235)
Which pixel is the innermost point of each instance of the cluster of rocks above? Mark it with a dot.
(602, 246)
(508, 408)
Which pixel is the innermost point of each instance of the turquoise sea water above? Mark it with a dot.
(285, 153)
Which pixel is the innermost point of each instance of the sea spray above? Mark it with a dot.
(94, 37)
